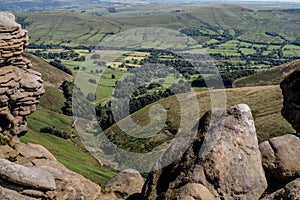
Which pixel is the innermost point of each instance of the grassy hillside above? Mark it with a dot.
(268, 120)
(52, 76)
(66, 28)
(70, 152)
(265, 114)
(272, 76)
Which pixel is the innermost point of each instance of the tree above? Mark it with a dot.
(91, 80)
(91, 97)
(113, 76)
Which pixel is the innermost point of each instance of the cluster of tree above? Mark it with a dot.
(76, 101)
(44, 46)
(57, 63)
(92, 80)
(111, 10)
(107, 115)
(67, 88)
(56, 132)
(226, 79)
(23, 21)
(137, 103)
(64, 55)
(220, 36)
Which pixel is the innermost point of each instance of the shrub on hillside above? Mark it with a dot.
(59, 65)
(56, 132)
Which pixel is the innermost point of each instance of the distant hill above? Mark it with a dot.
(272, 76)
(216, 21)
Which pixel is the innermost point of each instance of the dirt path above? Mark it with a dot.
(254, 88)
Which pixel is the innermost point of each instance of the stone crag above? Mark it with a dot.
(20, 86)
(225, 161)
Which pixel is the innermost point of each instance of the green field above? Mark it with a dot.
(225, 29)
(271, 76)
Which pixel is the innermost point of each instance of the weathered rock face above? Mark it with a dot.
(281, 160)
(291, 104)
(32, 177)
(36, 174)
(20, 87)
(23, 182)
(126, 183)
(223, 162)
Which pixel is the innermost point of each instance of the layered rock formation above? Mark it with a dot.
(20, 87)
(35, 173)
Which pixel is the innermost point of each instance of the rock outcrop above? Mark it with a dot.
(127, 183)
(281, 160)
(223, 162)
(20, 86)
(35, 173)
(291, 104)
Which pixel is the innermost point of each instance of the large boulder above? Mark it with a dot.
(39, 175)
(7, 194)
(223, 161)
(281, 160)
(291, 104)
(126, 183)
(32, 177)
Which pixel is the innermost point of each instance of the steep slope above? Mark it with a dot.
(52, 76)
(70, 152)
(28, 171)
(53, 98)
(271, 76)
